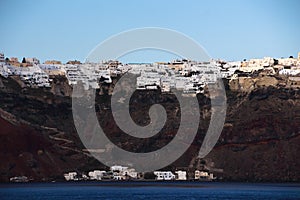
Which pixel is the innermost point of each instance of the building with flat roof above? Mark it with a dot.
(164, 175)
(2, 59)
(32, 61)
(52, 62)
(14, 61)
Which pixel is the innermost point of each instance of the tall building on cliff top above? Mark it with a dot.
(2, 59)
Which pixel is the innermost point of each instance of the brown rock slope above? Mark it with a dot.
(260, 140)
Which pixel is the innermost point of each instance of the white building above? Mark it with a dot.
(148, 80)
(2, 59)
(164, 175)
(123, 173)
(287, 61)
(290, 72)
(4, 70)
(202, 175)
(96, 174)
(130, 173)
(181, 175)
(118, 168)
(165, 84)
(71, 176)
(54, 70)
(33, 61)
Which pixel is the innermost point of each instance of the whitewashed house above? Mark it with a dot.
(2, 58)
(164, 175)
(203, 175)
(123, 173)
(71, 176)
(96, 174)
(4, 70)
(130, 173)
(181, 175)
(118, 168)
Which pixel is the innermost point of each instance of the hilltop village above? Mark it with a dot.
(190, 77)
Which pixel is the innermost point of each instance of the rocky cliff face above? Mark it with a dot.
(261, 137)
(259, 142)
(260, 80)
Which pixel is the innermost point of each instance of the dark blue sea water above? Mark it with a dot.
(148, 190)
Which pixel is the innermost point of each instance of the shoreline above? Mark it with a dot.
(150, 183)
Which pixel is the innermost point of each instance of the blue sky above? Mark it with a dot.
(230, 30)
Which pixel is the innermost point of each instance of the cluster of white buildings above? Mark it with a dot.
(204, 175)
(32, 76)
(116, 172)
(188, 76)
(88, 74)
(182, 175)
(120, 173)
(284, 66)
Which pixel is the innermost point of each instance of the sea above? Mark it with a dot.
(148, 190)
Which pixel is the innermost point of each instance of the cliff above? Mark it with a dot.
(259, 142)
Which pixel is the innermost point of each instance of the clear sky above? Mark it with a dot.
(227, 29)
